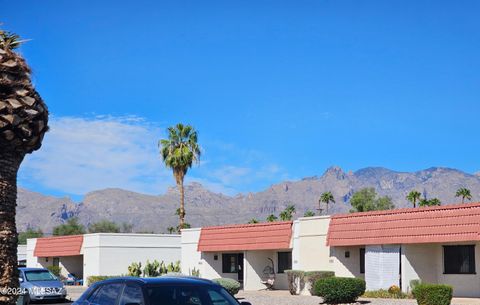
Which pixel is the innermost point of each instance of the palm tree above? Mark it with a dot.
(171, 230)
(309, 214)
(253, 220)
(464, 193)
(23, 123)
(179, 152)
(326, 198)
(413, 197)
(287, 214)
(272, 218)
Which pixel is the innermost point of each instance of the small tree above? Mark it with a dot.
(413, 197)
(287, 214)
(366, 200)
(29, 233)
(104, 226)
(272, 218)
(72, 227)
(464, 193)
(171, 230)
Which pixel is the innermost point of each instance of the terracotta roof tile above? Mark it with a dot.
(261, 236)
(58, 246)
(449, 223)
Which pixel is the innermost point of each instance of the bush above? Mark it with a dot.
(313, 276)
(56, 270)
(433, 294)
(231, 285)
(97, 278)
(295, 281)
(337, 290)
(414, 283)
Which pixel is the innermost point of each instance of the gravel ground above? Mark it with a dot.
(280, 297)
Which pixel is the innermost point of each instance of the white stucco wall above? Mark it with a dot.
(112, 253)
(22, 252)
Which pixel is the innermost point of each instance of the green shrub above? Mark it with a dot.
(433, 294)
(295, 280)
(97, 278)
(56, 270)
(337, 290)
(414, 283)
(231, 285)
(313, 276)
(135, 269)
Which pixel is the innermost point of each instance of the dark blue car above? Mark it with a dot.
(157, 291)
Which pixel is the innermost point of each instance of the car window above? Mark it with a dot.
(107, 294)
(220, 297)
(174, 295)
(132, 294)
(39, 275)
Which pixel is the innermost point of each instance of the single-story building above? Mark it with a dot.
(249, 253)
(432, 244)
(101, 253)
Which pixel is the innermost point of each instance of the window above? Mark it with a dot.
(56, 261)
(362, 260)
(230, 263)
(459, 259)
(188, 295)
(108, 294)
(132, 294)
(284, 261)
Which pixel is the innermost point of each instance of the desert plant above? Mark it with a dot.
(55, 270)
(272, 218)
(384, 294)
(309, 214)
(194, 272)
(179, 152)
(433, 294)
(162, 269)
(230, 285)
(135, 269)
(338, 290)
(151, 269)
(295, 280)
(23, 123)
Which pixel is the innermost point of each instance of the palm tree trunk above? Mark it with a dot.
(179, 178)
(9, 164)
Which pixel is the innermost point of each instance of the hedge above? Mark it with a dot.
(313, 276)
(97, 278)
(433, 294)
(230, 285)
(338, 290)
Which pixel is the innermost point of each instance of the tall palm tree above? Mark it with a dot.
(179, 152)
(464, 193)
(23, 123)
(272, 218)
(413, 197)
(326, 198)
(287, 214)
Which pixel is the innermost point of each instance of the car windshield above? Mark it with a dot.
(189, 295)
(39, 275)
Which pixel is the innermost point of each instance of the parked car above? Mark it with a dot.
(40, 284)
(163, 290)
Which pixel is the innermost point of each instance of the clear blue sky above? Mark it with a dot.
(277, 89)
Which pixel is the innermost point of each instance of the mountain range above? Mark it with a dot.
(149, 213)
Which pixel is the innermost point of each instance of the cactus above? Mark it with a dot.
(162, 269)
(135, 269)
(194, 272)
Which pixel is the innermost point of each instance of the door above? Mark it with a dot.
(240, 267)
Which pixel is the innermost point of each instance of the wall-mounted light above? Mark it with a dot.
(347, 254)
(215, 257)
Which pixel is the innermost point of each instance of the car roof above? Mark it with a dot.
(32, 269)
(174, 280)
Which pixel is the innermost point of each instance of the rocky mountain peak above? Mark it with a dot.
(335, 172)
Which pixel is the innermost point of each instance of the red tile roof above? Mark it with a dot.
(450, 223)
(58, 246)
(261, 236)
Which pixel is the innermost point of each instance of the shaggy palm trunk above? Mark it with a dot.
(179, 178)
(9, 164)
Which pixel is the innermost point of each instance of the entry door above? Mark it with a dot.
(240, 267)
(382, 266)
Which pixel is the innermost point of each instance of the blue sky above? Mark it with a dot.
(277, 89)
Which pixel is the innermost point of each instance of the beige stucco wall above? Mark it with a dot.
(425, 262)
